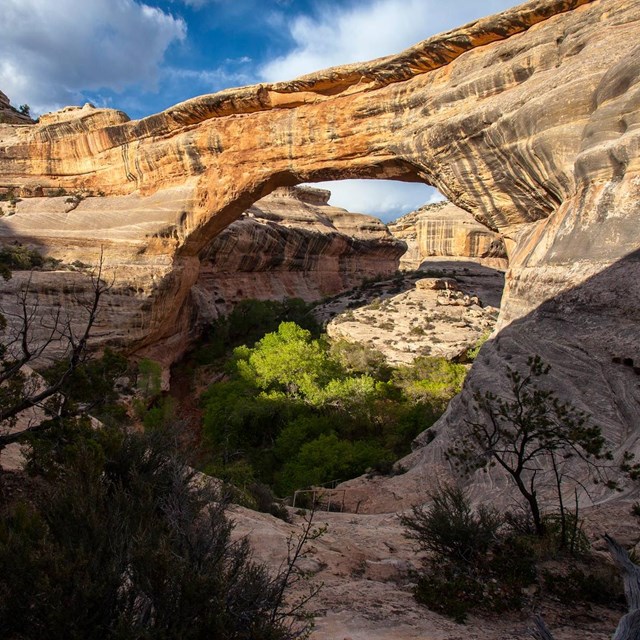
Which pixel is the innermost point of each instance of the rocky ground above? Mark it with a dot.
(364, 564)
(442, 309)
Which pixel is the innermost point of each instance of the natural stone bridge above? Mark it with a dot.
(529, 119)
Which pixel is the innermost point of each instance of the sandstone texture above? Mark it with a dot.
(442, 310)
(10, 115)
(442, 229)
(288, 244)
(292, 244)
(363, 563)
(529, 120)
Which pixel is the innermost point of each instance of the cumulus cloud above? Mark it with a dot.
(385, 199)
(50, 52)
(335, 36)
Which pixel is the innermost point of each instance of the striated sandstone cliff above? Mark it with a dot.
(444, 230)
(292, 244)
(530, 120)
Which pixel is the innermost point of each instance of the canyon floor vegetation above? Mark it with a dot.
(113, 530)
(108, 532)
(292, 408)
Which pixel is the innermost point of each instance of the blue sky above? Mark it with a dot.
(144, 56)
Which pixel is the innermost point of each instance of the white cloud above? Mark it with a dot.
(369, 30)
(385, 199)
(436, 196)
(209, 80)
(365, 31)
(53, 51)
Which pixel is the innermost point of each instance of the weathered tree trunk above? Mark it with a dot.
(629, 626)
(630, 573)
(541, 632)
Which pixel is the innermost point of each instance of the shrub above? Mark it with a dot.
(450, 529)
(126, 545)
(249, 321)
(472, 353)
(20, 258)
(149, 378)
(449, 591)
(600, 586)
(472, 565)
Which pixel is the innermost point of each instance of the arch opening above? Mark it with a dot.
(299, 242)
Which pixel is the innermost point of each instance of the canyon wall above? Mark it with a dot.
(444, 230)
(11, 115)
(529, 120)
(290, 244)
(293, 244)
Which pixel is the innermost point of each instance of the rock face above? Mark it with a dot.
(288, 244)
(416, 314)
(530, 120)
(9, 115)
(442, 229)
(292, 244)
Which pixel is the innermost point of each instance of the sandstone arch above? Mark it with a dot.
(529, 119)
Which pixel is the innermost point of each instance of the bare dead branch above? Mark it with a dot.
(59, 331)
(628, 627)
(630, 572)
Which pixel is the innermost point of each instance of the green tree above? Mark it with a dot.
(91, 387)
(291, 390)
(430, 380)
(249, 321)
(330, 458)
(527, 432)
(288, 361)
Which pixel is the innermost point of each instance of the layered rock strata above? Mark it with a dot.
(444, 230)
(289, 244)
(530, 120)
(293, 244)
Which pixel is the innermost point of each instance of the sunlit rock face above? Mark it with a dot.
(11, 115)
(292, 244)
(529, 120)
(444, 230)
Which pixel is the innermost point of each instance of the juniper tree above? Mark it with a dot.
(527, 432)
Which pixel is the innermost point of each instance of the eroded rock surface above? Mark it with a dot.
(364, 563)
(292, 244)
(443, 310)
(11, 115)
(288, 244)
(442, 229)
